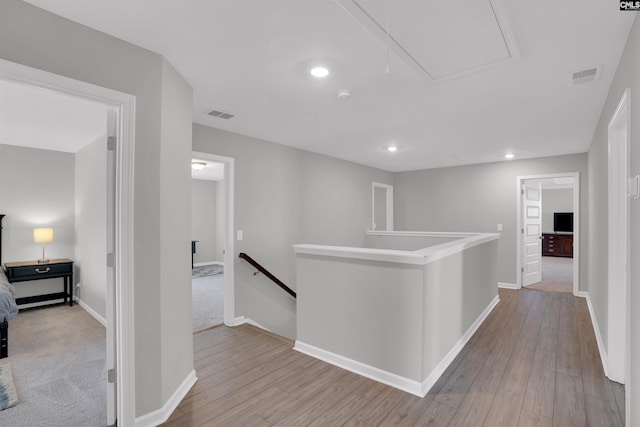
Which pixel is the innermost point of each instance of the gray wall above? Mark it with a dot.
(627, 76)
(204, 219)
(285, 196)
(36, 190)
(555, 200)
(478, 197)
(34, 37)
(91, 225)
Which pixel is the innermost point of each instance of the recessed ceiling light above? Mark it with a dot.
(392, 148)
(509, 156)
(319, 72)
(196, 166)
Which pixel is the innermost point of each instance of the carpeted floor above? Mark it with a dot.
(207, 298)
(57, 355)
(557, 275)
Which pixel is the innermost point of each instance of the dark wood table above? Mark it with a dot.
(33, 270)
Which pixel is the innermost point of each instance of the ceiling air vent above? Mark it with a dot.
(220, 114)
(585, 76)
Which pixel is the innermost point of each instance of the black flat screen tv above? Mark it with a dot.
(563, 222)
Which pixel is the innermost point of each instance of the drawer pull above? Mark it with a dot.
(46, 270)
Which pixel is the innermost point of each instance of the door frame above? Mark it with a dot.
(618, 144)
(576, 225)
(229, 250)
(122, 225)
(388, 204)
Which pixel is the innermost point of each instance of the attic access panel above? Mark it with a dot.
(440, 38)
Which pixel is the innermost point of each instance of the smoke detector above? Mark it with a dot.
(344, 95)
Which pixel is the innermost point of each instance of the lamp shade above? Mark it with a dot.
(43, 235)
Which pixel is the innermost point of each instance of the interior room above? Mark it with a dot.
(53, 170)
(338, 310)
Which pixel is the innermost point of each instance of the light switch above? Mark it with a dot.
(240, 234)
(499, 227)
(634, 187)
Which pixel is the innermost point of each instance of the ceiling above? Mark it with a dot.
(213, 171)
(448, 83)
(40, 118)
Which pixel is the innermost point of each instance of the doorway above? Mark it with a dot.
(119, 228)
(548, 241)
(227, 249)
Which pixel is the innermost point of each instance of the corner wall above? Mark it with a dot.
(477, 198)
(627, 76)
(285, 196)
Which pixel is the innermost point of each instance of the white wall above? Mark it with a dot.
(285, 196)
(477, 198)
(91, 225)
(162, 208)
(220, 221)
(627, 76)
(204, 219)
(36, 190)
(555, 200)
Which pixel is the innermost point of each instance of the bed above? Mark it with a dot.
(8, 307)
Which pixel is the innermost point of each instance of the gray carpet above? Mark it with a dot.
(57, 355)
(207, 270)
(207, 301)
(557, 275)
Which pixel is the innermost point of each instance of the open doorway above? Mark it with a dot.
(548, 242)
(117, 176)
(207, 243)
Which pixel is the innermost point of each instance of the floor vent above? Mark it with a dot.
(220, 114)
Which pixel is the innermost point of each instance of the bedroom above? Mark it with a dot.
(53, 170)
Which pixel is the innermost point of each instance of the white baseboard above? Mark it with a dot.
(161, 415)
(508, 285)
(596, 329)
(202, 264)
(91, 311)
(405, 384)
(376, 374)
(446, 361)
(242, 320)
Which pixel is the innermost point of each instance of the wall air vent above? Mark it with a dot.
(585, 76)
(220, 114)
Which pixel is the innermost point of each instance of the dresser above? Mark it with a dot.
(557, 244)
(33, 270)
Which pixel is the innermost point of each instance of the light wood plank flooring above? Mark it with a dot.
(533, 362)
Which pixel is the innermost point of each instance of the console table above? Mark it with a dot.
(33, 270)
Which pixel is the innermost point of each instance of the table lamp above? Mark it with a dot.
(44, 236)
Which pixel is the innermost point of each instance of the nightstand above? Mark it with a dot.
(33, 270)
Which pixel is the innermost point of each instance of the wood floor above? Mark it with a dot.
(533, 362)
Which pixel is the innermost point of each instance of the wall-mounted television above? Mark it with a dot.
(563, 222)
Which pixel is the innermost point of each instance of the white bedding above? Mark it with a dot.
(8, 307)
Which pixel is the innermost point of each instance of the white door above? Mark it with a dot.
(111, 288)
(532, 233)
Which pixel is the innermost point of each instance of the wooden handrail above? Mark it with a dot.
(266, 272)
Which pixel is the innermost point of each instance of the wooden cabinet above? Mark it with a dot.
(554, 244)
(33, 270)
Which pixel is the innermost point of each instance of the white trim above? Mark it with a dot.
(437, 372)
(229, 253)
(596, 330)
(91, 311)
(125, 105)
(388, 205)
(419, 389)
(368, 371)
(576, 224)
(161, 415)
(419, 257)
(504, 285)
(618, 144)
(241, 320)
